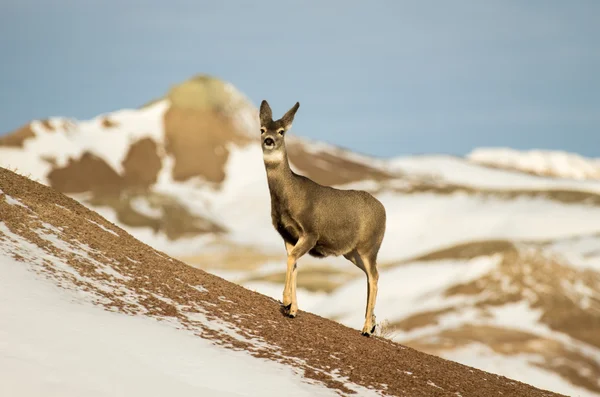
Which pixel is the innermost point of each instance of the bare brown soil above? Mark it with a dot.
(199, 127)
(142, 164)
(198, 141)
(468, 250)
(89, 173)
(462, 251)
(441, 188)
(47, 125)
(16, 138)
(143, 281)
(421, 319)
(108, 123)
(331, 169)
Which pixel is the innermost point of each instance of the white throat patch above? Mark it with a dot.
(274, 156)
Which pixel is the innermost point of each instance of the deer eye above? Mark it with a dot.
(263, 130)
(281, 131)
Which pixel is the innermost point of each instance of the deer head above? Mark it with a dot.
(273, 132)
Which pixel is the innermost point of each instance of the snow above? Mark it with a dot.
(582, 251)
(12, 201)
(104, 228)
(460, 171)
(53, 346)
(519, 367)
(421, 223)
(142, 206)
(17, 245)
(550, 162)
(243, 202)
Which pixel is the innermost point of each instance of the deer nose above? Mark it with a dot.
(269, 142)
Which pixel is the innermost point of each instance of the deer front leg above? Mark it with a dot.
(289, 294)
(303, 245)
(372, 279)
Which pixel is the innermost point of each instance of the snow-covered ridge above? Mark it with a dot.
(543, 162)
(68, 139)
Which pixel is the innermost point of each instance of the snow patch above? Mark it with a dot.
(13, 201)
(142, 206)
(94, 352)
(103, 227)
(547, 162)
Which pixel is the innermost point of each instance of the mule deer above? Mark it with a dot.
(318, 220)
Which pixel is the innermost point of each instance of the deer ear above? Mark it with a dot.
(266, 115)
(288, 118)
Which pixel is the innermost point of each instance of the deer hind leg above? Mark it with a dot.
(353, 257)
(294, 252)
(368, 264)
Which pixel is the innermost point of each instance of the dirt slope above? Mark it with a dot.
(123, 274)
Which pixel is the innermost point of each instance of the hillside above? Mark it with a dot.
(493, 266)
(47, 240)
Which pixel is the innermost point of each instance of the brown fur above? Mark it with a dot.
(319, 220)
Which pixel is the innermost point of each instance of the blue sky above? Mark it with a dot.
(380, 77)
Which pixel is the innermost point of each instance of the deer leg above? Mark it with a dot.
(372, 276)
(304, 244)
(370, 268)
(289, 300)
(353, 257)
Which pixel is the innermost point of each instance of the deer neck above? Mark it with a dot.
(279, 173)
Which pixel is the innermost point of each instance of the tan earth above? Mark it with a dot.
(16, 138)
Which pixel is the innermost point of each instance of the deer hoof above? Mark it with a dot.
(368, 331)
(285, 309)
(292, 311)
